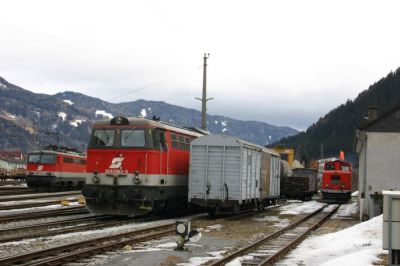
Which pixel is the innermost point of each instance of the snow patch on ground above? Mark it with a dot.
(347, 210)
(62, 115)
(104, 114)
(196, 261)
(224, 123)
(277, 222)
(238, 261)
(301, 208)
(68, 102)
(356, 245)
(211, 227)
(37, 209)
(76, 122)
(224, 129)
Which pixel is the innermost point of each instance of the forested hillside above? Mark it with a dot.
(336, 130)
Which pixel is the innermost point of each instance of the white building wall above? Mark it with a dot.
(362, 182)
(382, 169)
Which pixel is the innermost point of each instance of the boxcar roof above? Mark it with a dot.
(137, 121)
(223, 140)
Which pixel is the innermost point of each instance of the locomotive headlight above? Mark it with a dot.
(326, 185)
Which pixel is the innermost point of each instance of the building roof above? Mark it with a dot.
(10, 154)
(387, 122)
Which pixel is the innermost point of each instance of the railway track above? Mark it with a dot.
(269, 249)
(39, 196)
(4, 191)
(89, 223)
(11, 182)
(72, 252)
(40, 214)
(34, 204)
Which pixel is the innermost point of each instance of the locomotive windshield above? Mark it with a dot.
(45, 158)
(133, 138)
(103, 138)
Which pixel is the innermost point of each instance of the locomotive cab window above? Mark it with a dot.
(42, 158)
(344, 168)
(181, 143)
(103, 137)
(174, 141)
(187, 143)
(133, 138)
(34, 158)
(329, 167)
(159, 140)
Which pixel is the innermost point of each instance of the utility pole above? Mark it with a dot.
(204, 98)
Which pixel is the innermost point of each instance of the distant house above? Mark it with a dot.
(378, 145)
(11, 154)
(10, 164)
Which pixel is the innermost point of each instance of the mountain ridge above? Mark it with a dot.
(26, 116)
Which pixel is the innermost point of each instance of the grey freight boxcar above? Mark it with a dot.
(227, 173)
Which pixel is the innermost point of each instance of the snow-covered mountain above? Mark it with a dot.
(70, 115)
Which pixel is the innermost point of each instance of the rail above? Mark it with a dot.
(271, 257)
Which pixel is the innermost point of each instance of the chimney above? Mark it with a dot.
(372, 113)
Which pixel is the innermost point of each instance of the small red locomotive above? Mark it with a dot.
(137, 166)
(336, 181)
(56, 168)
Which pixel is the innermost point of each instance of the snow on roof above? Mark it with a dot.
(356, 245)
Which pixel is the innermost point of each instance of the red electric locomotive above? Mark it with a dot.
(56, 168)
(137, 166)
(336, 181)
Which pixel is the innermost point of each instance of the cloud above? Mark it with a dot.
(285, 62)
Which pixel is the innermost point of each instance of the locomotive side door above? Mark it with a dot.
(164, 152)
(59, 165)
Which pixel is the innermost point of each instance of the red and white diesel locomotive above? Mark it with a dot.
(137, 166)
(56, 168)
(336, 181)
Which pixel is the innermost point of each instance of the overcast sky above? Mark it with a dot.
(282, 62)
